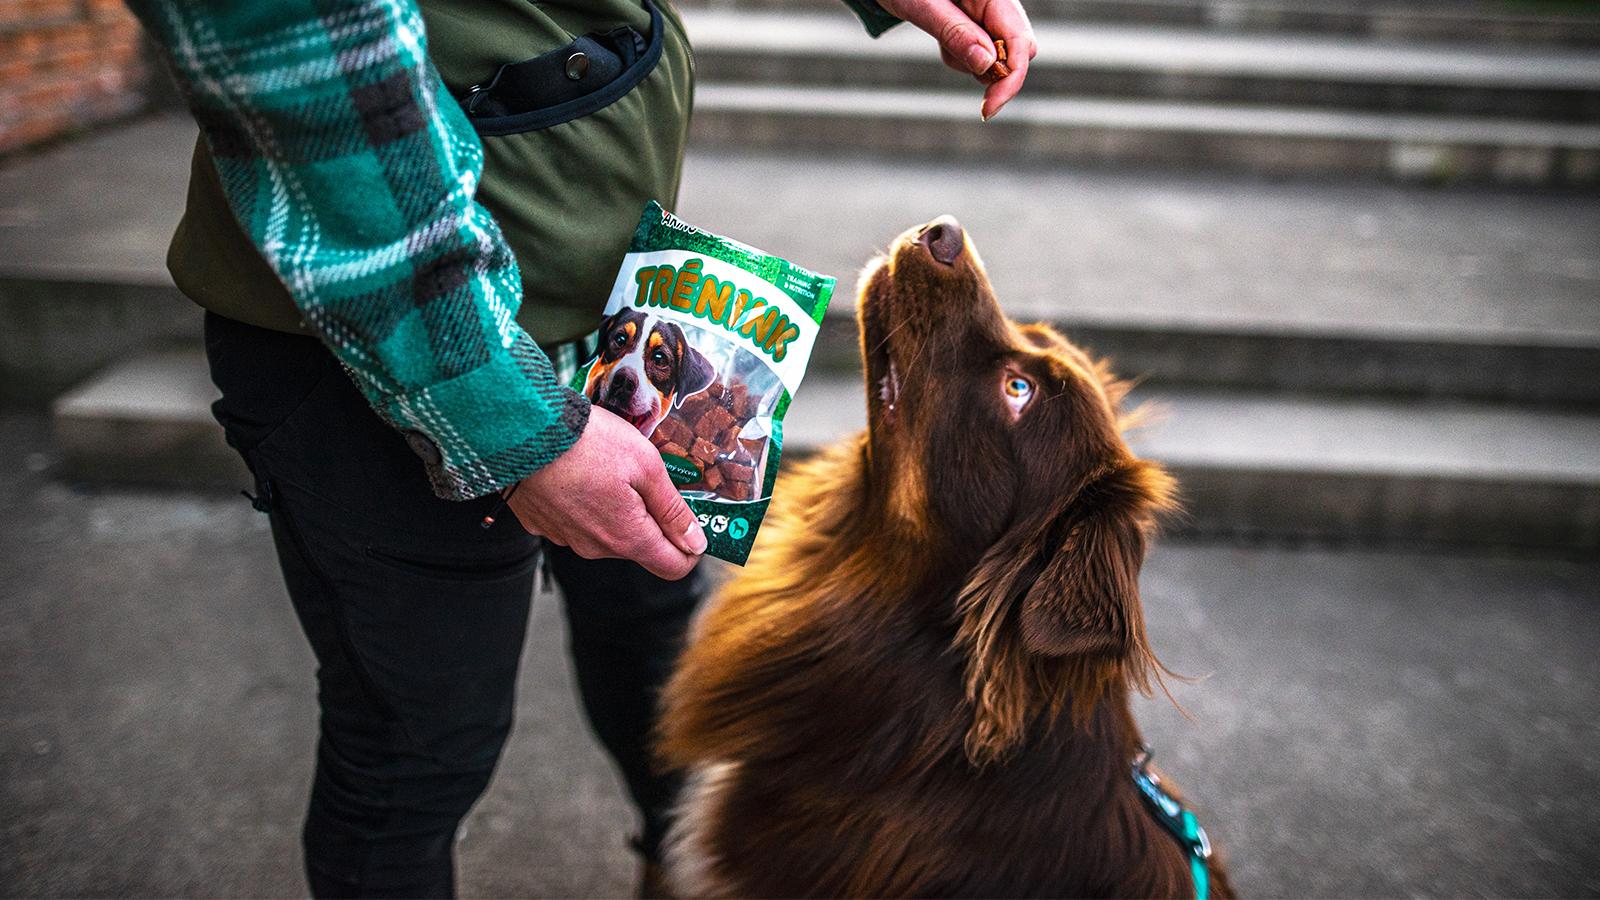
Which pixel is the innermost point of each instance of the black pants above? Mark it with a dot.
(417, 615)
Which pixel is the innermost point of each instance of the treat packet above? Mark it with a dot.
(703, 344)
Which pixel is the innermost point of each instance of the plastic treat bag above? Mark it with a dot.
(703, 344)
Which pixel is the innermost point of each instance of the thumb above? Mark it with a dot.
(960, 38)
(664, 504)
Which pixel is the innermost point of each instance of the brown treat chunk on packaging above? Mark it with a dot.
(694, 407)
(712, 478)
(673, 430)
(703, 451)
(715, 421)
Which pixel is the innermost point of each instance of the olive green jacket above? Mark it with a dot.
(566, 197)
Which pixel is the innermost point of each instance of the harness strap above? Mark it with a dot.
(1179, 821)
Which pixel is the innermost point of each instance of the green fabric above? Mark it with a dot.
(563, 200)
(354, 175)
(566, 197)
(872, 16)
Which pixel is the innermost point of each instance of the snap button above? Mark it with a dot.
(423, 447)
(577, 65)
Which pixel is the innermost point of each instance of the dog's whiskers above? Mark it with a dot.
(884, 341)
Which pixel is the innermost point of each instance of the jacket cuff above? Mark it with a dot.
(872, 16)
(493, 426)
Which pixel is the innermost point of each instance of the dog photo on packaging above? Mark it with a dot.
(919, 686)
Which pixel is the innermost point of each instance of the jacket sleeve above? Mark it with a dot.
(355, 174)
(872, 16)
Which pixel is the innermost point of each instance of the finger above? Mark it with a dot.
(664, 504)
(661, 557)
(1020, 50)
(664, 561)
(965, 46)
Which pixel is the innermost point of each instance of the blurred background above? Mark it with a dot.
(1351, 248)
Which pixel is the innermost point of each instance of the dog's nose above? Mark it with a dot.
(944, 239)
(620, 391)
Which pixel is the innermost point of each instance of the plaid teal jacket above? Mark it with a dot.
(354, 172)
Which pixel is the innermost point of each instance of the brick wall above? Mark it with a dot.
(66, 65)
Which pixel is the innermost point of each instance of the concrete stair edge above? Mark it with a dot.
(1138, 63)
(1309, 360)
(1164, 51)
(1403, 500)
(106, 431)
(49, 346)
(1391, 22)
(61, 325)
(1299, 143)
(146, 419)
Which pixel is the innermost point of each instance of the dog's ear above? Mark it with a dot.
(1051, 614)
(694, 370)
(1085, 601)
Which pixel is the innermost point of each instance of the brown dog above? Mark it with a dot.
(919, 684)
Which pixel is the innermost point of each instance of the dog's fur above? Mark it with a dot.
(644, 369)
(919, 685)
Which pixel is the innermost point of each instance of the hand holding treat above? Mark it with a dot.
(972, 35)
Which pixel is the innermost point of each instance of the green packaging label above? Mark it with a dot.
(703, 344)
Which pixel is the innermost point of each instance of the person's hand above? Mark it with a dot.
(609, 496)
(965, 30)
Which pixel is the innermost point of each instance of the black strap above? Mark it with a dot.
(590, 73)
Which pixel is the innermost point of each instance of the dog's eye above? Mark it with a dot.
(619, 339)
(659, 357)
(1019, 391)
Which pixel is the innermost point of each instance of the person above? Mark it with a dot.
(376, 190)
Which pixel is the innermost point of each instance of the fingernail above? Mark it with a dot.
(696, 538)
(979, 59)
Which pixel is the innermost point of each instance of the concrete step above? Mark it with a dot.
(1252, 465)
(1216, 280)
(1308, 361)
(1140, 62)
(1356, 470)
(58, 327)
(147, 420)
(1222, 281)
(1574, 25)
(83, 236)
(944, 125)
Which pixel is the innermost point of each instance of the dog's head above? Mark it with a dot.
(645, 368)
(998, 447)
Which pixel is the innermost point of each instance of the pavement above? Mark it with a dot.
(1368, 724)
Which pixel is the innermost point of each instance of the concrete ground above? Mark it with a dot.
(1373, 724)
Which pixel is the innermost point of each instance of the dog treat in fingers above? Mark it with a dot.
(999, 69)
(703, 344)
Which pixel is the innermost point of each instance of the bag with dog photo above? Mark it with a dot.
(703, 344)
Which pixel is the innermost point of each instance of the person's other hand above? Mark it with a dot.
(609, 496)
(965, 30)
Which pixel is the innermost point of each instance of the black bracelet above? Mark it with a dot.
(505, 500)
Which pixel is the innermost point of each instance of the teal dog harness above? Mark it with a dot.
(1181, 822)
